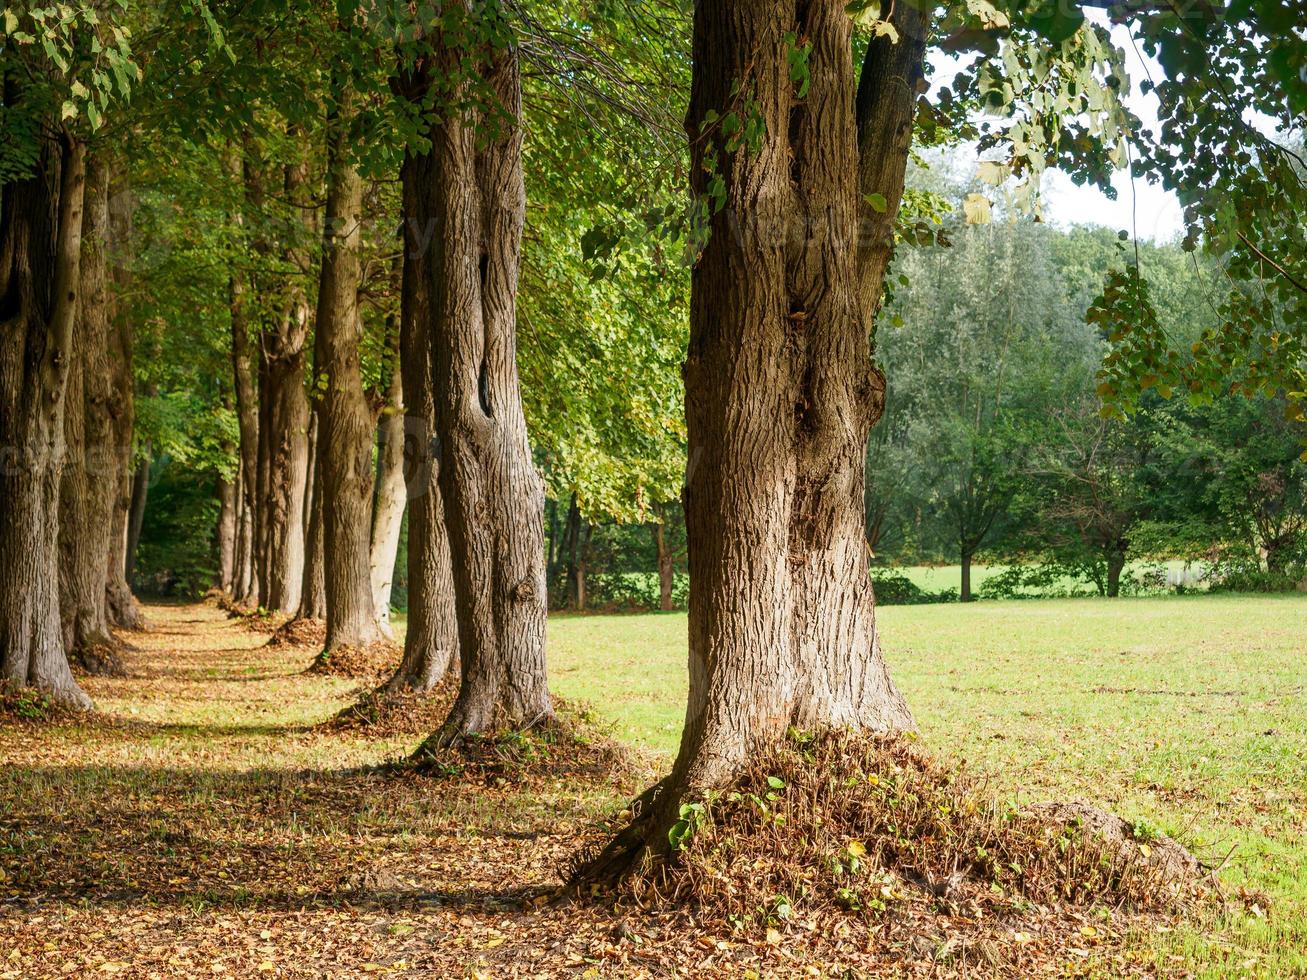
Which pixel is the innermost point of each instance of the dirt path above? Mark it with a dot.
(201, 825)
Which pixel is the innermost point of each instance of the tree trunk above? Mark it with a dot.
(1115, 566)
(40, 258)
(966, 576)
(572, 536)
(431, 643)
(136, 513)
(493, 496)
(666, 568)
(121, 606)
(313, 593)
(781, 391)
(226, 533)
(346, 419)
(89, 484)
(579, 591)
(388, 509)
(246, 590)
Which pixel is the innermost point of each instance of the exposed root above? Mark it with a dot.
(300, 633)
(373, 663)
(871, 831)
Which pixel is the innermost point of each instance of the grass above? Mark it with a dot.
(1185, 712)
(219, 823)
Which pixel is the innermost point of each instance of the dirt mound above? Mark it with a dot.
(844, 834)
(373, 663)
(569, 746)
(99, 660)
(384, 714)
(297, 633)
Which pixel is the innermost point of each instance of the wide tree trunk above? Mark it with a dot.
(493, 496)
(40, 257)
(346, 418)
(388, 508)
(89, 485)
(781, 390)
(431, 642)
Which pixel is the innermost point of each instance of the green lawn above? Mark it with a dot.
(1186, 711)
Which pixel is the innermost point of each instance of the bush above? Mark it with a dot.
(634, 591)
(1252, 578)
(896, 589)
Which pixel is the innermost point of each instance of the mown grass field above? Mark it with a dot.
(1187, 712)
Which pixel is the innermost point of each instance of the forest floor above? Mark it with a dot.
(207, 822)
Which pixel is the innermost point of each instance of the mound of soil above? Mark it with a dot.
(845, 834)
(569, 746)
(298, 633)
(99, 660)
(384, 714)
(373, 663)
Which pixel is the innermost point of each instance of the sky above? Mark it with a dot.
(1144, 209)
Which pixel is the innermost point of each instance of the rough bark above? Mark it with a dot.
(346, 418)
(89, 486)
(493, 496)
(121, 606)
(40, 256)
(431, 642)
(313, 593)
(245, 588)
(666, 568)
(781, 391)
(388, 508)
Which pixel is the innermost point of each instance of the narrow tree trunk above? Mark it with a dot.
(40, 254)
(781, 391)
(388, 509)
(431, 643)
(966, 576)
(579, 592)
(666, 568)
(89, 483)
(121, 606)
(572, 535)
(313, 593)
(493, 496)
(226, 534)
(246, 590)
(136, 513)
(345, 432)
(1115, 566)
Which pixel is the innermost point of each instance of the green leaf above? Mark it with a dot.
(877, 202)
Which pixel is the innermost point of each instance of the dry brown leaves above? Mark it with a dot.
(310, 633)
(373, 663)
(246, 847)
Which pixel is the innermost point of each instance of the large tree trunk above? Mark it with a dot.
(431, 643)
(781, 390)
(493, 496)
(89, 484)
(1115, 566)
(966, 576)
(388, 509)
(346, 418)
(40, 257)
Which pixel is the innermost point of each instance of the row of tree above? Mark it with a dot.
(330, 114)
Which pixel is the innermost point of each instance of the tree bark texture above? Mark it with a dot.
(493, 496)
(313, 593)
(245, 590)
(89, 483)
(121, 606)
(346, 419)
(781, 389)
(431, 643)
(388, 508)
(283, 423)
(40, 258)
